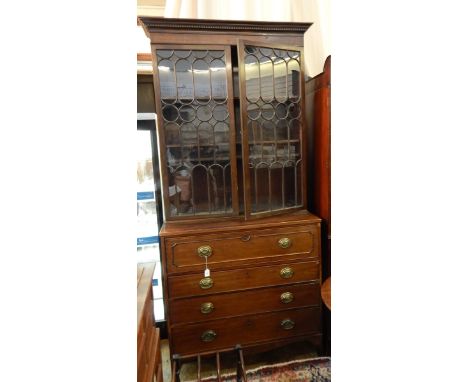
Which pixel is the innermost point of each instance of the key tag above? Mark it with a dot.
(207, 271)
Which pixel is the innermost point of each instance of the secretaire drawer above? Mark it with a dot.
(190, 253)
(243, 303)
(241, 279)
(244, 330)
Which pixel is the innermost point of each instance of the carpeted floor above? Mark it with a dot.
(295, 362)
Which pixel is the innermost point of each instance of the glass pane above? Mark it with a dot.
(252, 78)
(273, 88)
(294, 75)
(184, 79)
(281, 90)
(218, 80)
(201, 77)
(266, 78)
(147, 216)
(167, 81)
(196, 123)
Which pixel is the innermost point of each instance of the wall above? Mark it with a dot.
(317, 44)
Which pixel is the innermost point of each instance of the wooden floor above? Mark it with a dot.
(166, 362)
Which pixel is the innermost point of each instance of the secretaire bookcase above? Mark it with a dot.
(240, 253)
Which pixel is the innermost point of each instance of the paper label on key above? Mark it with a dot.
(207, 273)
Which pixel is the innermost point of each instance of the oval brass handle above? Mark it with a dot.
(286, 273)
(206, 283)
(286, 297)
(287, 324)
(285, 242)
(208, 336)
(206, 307)
(205, 251)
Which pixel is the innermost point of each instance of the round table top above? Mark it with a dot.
(326, 293)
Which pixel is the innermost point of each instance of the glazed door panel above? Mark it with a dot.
(271, 97)
(196, 128)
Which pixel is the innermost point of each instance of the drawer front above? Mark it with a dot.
(240, 248)
(199, 309)
(245, 330)
(241, 279)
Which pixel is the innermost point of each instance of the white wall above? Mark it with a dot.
(317, 40)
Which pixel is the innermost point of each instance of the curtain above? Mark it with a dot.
(316, 39)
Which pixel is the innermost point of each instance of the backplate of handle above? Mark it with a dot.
(286, 297)
(206, 283)
(285, 242)
(206, 307)
(287, 324)
(286, 273)
(205, 251)
(208, 336)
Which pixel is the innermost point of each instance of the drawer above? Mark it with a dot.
(240, 248)
(197, 309)
(241, 279)
(224, 333)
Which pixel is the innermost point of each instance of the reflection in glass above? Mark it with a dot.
(252, 78)
(266, 79)
(184, 81)
(272, 93)
(218, 80)
(201, 78)
(196, 124)
(167, 80)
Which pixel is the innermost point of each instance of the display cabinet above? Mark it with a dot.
(240, 253)
(230, 117)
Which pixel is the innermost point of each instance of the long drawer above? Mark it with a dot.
(242, 279)
(241, 248)
(197, 309)
(218, 334)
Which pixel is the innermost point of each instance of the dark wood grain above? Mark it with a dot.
(326, 293)
(156, 24)
(242, 279)
(189, 228)
(319, 122)
(241, 248)
(148, 347)
(253, 301)
(245, 330)
(246, 259)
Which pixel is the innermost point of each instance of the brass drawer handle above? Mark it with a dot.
(286, 297)
(287, 324)
(206, 307)
(284, 242)
(208, 336)
(286, 273)
(206, 283)
(205, 251)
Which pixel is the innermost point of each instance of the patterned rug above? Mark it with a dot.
(304, 370)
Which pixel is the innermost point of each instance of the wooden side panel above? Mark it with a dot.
(318, 93)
